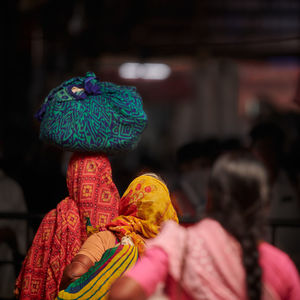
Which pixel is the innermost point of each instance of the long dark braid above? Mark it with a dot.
(239, 193)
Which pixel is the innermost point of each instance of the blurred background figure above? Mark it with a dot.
(193, 165)
(224, 256)
(13, 232)
(269, 144)
(193, 161)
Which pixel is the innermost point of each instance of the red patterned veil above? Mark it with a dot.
(93, 198)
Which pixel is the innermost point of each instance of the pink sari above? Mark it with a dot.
(212, 267)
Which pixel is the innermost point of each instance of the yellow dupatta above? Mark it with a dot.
(145, 205)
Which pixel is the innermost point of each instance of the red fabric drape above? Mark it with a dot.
(93, 195)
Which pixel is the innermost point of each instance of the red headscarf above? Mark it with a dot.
(93, 197)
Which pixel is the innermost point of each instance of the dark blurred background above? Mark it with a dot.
(214, 75)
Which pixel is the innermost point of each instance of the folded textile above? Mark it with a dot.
(87, 115)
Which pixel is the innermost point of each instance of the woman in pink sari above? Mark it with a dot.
(222, 257)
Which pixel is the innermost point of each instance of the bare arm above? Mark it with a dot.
(79, 265)
(90, 252)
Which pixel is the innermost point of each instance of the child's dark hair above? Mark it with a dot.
(239, 193)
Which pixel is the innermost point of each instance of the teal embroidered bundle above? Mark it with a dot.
(86, 115)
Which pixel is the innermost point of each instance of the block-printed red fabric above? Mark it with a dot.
(62, 231)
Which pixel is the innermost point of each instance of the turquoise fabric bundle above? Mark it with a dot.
(86, 115)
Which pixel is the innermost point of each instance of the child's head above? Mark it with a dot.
(145, 205)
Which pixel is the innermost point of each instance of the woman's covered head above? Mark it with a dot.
(145, 205)
(239, 186)
(90, 185)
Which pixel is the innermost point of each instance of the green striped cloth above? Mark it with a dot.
(96, 282)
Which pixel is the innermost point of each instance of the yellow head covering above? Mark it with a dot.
(145, 205)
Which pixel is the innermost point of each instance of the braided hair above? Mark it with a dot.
(239, 192)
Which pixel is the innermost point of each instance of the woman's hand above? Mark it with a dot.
(79, 265)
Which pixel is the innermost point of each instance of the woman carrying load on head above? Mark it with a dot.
(93, 119)
(145, 205)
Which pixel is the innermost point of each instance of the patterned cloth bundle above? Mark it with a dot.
(86, 115)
